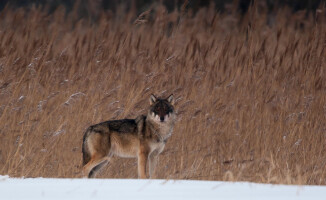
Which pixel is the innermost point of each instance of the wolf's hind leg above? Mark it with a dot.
(94, 165)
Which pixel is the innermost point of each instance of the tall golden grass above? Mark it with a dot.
(250, 90)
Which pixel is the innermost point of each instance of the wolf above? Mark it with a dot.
(143, 137)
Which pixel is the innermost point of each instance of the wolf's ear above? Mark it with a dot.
(171, 99)
(152, 99)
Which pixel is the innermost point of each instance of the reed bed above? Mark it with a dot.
(250, 90)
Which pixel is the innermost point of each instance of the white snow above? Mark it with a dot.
(48, 188)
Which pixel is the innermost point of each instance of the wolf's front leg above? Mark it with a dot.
(153, 157)
(142, 161)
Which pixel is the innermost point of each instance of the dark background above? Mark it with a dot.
(141, 5)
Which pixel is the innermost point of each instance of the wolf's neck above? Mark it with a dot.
(162, 130)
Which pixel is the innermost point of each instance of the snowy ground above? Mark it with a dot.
(44, 188)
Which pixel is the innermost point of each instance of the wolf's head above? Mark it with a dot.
(161, 110)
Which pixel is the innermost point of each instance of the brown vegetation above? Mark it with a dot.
(250, 91)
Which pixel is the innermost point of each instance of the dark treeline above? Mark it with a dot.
(92, 7)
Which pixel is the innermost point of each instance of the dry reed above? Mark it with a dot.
(250, 90)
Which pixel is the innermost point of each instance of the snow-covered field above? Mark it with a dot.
(44, 188)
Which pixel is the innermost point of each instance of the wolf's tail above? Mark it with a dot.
(86, 153)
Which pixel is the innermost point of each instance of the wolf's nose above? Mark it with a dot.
(162, 119)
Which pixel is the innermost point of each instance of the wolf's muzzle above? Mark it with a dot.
(162, 119)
